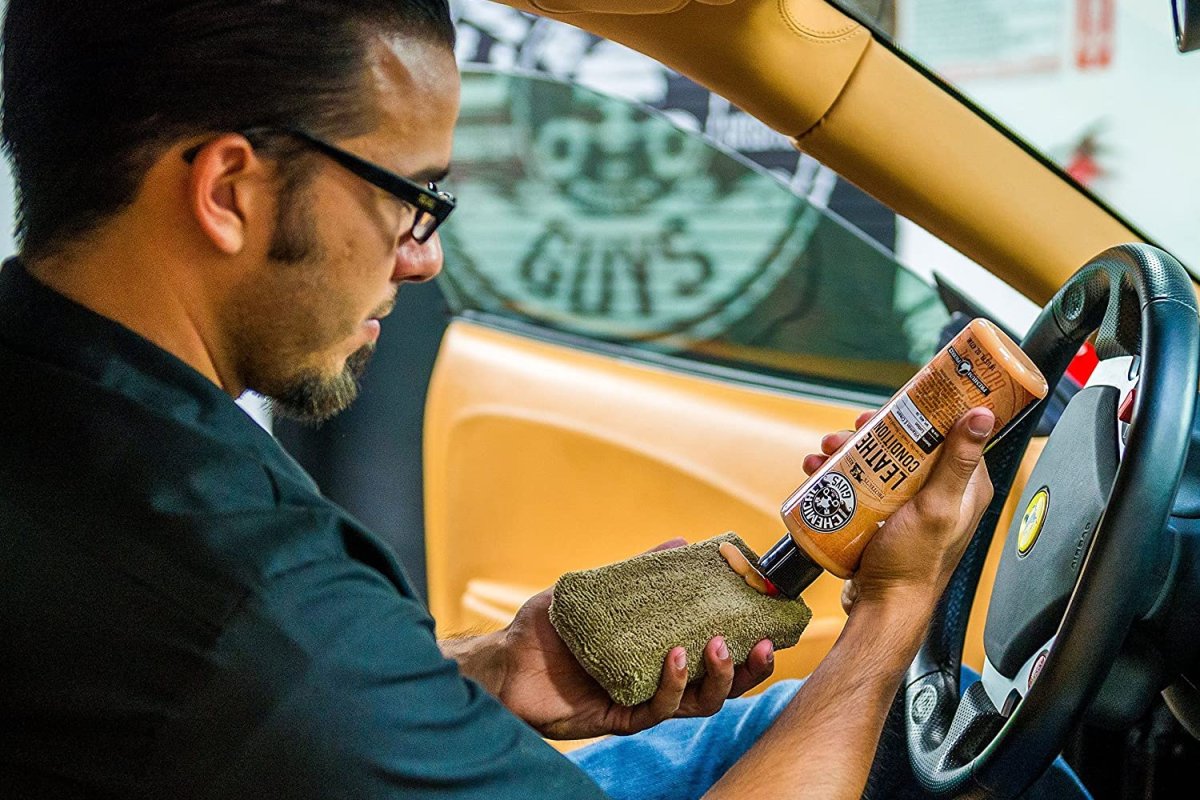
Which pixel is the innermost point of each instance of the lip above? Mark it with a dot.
(372, 328)
(385, 309)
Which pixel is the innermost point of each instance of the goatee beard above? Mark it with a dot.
(312, 399)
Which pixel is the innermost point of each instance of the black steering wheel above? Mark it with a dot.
(1076, 570)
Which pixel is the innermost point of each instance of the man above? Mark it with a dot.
(217, 196)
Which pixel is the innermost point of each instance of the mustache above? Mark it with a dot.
(384, 309)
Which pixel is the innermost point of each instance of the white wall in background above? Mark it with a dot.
(7, 246)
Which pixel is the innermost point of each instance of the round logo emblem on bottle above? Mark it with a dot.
(829, 504)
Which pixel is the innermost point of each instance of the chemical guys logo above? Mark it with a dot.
(964, 368)
(601, 216)
(829, 505)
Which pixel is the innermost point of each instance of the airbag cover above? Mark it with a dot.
(1076, 471)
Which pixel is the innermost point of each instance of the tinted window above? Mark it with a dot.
(598, 216)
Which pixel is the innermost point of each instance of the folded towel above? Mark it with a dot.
(620, 621)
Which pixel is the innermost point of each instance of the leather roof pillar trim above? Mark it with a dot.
(783, 61)
(809, 71)
(949, 170)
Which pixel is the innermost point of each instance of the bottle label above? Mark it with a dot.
(915, 424)
(966, 369)
(880, 467)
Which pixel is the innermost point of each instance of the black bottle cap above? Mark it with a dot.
(787, 566)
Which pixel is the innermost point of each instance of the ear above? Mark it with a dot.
(228, 190)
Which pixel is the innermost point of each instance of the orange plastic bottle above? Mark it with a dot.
(834, 514)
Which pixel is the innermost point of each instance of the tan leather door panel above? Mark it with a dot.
(541, 458)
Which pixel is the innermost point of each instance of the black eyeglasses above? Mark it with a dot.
(432, 205)
(1187, 24)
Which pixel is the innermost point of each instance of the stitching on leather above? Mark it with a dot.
(1189, 306)
(798, 139)
(820, 37)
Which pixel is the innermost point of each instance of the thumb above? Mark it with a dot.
(961, 453)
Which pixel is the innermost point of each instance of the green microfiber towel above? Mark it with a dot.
(620, 621)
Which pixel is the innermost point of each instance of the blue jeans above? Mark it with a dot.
(682, 758)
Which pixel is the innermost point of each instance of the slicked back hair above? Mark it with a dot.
(93, 92)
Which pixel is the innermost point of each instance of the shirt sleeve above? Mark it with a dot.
(331, 685)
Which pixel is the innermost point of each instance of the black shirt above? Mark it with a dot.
(183, 615)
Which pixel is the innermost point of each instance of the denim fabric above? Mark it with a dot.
(682, 758)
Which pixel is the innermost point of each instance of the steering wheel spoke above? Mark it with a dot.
(1122, 373)
(1007, 693)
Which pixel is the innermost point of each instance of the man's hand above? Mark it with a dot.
(916, 551)
(544, 685)
(837, 716)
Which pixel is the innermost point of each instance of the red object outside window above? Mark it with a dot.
(1083, 363)
(1095, 21)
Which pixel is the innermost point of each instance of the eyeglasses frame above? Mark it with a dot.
(427, 200)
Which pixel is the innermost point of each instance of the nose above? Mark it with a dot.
(418, 262)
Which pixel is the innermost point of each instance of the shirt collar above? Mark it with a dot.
(40, 323)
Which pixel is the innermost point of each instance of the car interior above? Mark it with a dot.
(586, 404)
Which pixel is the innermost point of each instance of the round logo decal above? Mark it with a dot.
(606, 218)
(1032, 521)
(828, 505)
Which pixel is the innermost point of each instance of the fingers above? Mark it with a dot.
(979, 491)
(666, 700)
(669, 544)
(830, 444)
(849, 595)
(722, 680)
(760, 663)
(707, 697)
(960, 458)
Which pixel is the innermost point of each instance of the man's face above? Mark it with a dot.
(306, 322)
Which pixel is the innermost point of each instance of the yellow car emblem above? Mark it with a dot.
(1031, 522)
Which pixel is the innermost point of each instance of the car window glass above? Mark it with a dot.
(593, 215)
(1096, 86)
(602, 194)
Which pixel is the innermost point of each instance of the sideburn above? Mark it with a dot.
(294, 240)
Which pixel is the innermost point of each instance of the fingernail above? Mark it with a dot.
(980, 423)
(681, 660)
(771, 656)
(722, 650)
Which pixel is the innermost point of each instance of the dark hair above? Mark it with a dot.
(94, 91)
